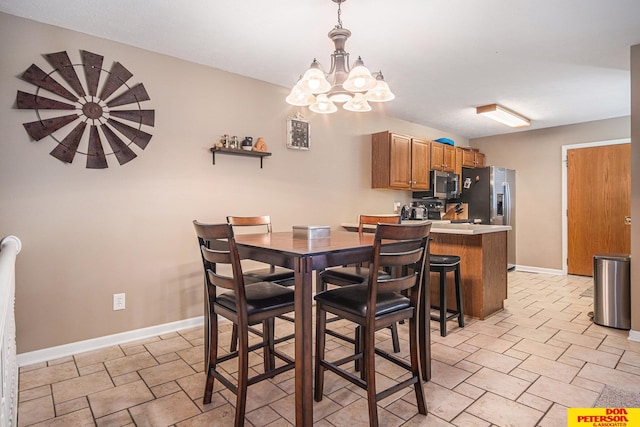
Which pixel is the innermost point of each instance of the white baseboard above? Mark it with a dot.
(634, 335)
(65, 350)
(528, 269)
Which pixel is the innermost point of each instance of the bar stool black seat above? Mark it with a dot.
(443, 264)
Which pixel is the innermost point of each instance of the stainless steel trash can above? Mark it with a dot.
(612, 290)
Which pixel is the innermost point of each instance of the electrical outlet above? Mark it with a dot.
(118, 301)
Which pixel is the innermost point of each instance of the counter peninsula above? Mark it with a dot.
(483, 253)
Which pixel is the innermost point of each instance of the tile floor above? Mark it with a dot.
(521, 367)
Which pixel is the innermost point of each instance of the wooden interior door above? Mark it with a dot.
(598, 201)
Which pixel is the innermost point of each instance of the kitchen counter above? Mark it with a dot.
(483, 264)
(444, 227)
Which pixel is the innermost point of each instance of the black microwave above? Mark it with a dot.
(445, 185)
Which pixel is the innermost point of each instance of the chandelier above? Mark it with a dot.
(354, 88)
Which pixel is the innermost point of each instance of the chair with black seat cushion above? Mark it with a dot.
(356, 274)
(280, 275)
(283, 276)
(442, 264)
(377, 304)
(244, 305)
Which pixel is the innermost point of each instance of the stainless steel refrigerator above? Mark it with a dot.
(491, 196)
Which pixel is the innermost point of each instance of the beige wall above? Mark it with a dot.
(88, 234)
(635, 186)
(537, 158)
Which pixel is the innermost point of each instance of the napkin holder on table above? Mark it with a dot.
(311, 231)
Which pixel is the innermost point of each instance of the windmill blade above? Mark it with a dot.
(92, 68)
(61, 62)
(41, 128)
(95, 155)
(145, 117)
(117, 77)
(138, 137)
(120, 149)
(41, 79)
(28, 101)
(136, 94)
(66, 150)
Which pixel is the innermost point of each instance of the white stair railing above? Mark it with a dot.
(9, 248)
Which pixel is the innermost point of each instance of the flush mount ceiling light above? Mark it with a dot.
(354, 87)
(503, 115)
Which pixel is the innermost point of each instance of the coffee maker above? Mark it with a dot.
(434, 208)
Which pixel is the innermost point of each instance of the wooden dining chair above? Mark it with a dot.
(272, 273)
(244, 305)
(281, 275)
(355, 274)
(377, 304)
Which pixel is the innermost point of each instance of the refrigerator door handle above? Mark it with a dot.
(507, 203)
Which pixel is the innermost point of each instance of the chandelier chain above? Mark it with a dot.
(339, 13)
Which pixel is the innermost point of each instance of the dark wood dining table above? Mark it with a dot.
(304, 256)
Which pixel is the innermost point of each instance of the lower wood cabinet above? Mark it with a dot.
(483, 269)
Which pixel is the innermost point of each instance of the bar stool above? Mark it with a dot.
(443, 264)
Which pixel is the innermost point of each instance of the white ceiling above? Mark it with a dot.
(556, 62)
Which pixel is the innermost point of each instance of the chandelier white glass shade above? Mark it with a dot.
(381, 91)
(323, 105)
(354, 87)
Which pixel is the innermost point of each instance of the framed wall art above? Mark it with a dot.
(298, 133)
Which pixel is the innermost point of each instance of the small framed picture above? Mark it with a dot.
(298, 134)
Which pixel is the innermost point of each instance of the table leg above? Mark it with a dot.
(304, 333)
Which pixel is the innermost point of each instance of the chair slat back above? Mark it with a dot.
(245, 221)
(404, 248)
(218, 247)
(376, 219)
(215, 278)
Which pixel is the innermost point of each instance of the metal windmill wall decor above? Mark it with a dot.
(98, 112)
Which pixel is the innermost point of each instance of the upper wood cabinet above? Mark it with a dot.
(399, 162)
(459, 161)
(443, 157)
(472, 159)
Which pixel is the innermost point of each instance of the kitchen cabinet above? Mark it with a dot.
(472, 158)
(458, 168)
(443, 157)
(483, 266)
(399, 162)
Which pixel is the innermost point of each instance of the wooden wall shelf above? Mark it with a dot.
(239, 152)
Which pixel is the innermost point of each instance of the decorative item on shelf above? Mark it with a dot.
(247, 143)
(355, 87)
(234, 142)
(260, 146)
(225, 140)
